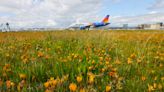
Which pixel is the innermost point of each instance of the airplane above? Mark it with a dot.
(104, 22)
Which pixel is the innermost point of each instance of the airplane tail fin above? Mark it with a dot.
(106, 19)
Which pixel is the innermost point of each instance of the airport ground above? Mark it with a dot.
(82, 61)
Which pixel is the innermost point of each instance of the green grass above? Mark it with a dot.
(64, 55)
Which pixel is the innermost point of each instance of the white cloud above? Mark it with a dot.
(159, 4)
(47, 13)
(153, 12)
(62, 13)
(140, 19)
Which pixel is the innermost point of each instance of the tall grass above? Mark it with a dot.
(85, 61)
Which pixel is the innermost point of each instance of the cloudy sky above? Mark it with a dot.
(62, 13)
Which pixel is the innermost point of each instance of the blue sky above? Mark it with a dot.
(127, 7)
(62, 13)
(135, 9)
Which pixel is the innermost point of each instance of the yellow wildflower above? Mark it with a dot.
(47, 57)
(93, 62)
(155, 85)
(7, 68)
(54, 82)
(162, 78)
(161, 65)
(75, 56)
(51, 78)
(108, 59)
(108, 88)
(90, 68)
(117, 62)
(155, 78)
(133, 56)
(143, 78)
(40, 54)
(103, 70)
(139, 61)
(73, 87)
(79, 79)
(19, 87)
(129, 61)
(150, 88)
(22, 76)
(8, 84)
(91, 78)
(65, 77)
(111, 74)
(48, 90)
(12, 84)
(160, 86)
(101, 58)
(103, 51)
(107, 62)
(46, 84)
(82, 90)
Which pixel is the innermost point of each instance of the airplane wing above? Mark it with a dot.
(85, 27)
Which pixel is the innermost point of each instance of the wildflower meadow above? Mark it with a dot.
(82, 61)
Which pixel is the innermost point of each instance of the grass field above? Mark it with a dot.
(82, 61)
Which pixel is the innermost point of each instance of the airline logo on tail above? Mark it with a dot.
(106, 19)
